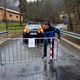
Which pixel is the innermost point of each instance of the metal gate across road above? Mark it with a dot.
(19, 62)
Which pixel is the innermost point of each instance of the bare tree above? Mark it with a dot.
(73, 8)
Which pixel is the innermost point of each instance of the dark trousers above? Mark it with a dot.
(46, 41)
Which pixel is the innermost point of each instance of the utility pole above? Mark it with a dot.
(79, 8)
(5, 15)
(20, 14)
(20, 19)
(79, 1)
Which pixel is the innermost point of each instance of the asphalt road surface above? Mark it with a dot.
(18, 62)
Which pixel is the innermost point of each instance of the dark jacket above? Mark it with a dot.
(50, 32)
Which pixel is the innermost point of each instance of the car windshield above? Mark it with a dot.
(33, 26)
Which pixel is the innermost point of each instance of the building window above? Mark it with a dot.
(16, 16)
(10, 15)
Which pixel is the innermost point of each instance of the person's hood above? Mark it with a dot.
(49, 25)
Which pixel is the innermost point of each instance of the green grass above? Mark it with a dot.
(2, 27)
(11, 27)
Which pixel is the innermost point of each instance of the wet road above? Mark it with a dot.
(22, 63)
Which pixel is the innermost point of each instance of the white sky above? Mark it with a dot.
(31, 0)
(17, 2)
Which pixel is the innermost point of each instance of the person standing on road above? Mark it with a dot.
(49, 31)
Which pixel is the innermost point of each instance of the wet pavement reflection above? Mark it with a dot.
(23, 63)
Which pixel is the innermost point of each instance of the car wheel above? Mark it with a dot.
(25, 40)
(41, 40)
(37, 41)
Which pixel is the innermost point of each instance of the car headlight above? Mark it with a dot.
(26, 30)
(40, 29)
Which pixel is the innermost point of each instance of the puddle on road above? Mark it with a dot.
(68, 72)
(35, 70)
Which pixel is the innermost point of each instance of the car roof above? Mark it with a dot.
(34, 23)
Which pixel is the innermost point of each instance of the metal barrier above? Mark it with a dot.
(3, 33)
(71, 34)
(19, 62)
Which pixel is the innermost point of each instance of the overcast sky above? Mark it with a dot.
(30, 0)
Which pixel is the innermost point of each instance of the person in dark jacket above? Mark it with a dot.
(49, 31)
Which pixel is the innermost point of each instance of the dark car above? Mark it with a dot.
(32, 30)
